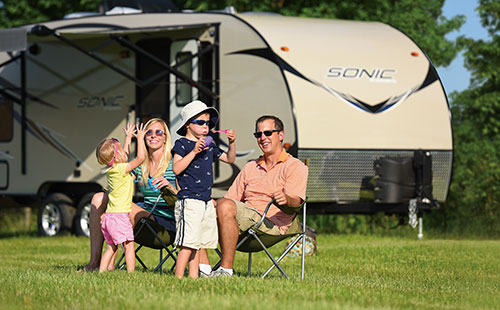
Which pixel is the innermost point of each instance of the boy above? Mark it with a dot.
(192, 163)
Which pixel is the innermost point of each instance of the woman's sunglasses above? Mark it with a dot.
(200, 122)
(267, 133)
(158, 132)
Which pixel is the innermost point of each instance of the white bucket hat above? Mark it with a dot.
(191, 110)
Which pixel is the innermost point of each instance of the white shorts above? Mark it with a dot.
(196, 224)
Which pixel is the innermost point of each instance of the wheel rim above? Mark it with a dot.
(51, 219)
(84, 219)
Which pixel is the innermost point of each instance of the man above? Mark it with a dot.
(276, 175)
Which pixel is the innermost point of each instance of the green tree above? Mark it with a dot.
(474, 199)
(21, 12)
(422, 20)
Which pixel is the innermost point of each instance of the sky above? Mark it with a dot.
(455, 77)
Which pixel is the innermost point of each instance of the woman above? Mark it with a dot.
(158, 167)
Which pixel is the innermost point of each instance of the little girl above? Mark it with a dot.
(116, 226)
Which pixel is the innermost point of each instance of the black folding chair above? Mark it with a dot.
(152, 234)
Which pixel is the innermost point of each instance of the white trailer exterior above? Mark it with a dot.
(348, 93)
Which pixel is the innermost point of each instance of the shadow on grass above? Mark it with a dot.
(7, 235)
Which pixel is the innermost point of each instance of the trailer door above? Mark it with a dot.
(181, 92)
(6, 134)
(153, 98)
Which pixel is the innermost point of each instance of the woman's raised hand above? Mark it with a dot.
(141, 131)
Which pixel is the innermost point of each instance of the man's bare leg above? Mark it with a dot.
(228, 231)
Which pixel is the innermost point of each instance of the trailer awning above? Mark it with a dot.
(40, 32)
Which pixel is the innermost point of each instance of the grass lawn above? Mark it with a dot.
(349, 272)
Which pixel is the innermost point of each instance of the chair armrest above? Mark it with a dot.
(169, 196)
(154, 207)
(264, 214)
(287, 209)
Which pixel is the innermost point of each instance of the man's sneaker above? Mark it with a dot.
(201, 274)
(220, 273)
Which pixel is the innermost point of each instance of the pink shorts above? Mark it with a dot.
(116, 228)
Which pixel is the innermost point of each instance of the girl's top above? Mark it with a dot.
(150, 195)
(121, 189)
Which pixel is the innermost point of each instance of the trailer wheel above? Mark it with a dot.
(55, 215)
(81, 225)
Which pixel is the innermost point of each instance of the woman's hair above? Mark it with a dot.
(167, 155)
(105, 151)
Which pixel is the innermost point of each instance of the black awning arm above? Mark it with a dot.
(172, 70)
(24, 117)
(166, 72)
(13, 92)
(45, 31)
(10, 60)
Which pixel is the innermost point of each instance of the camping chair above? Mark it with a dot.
(254, 240)
(152, 234)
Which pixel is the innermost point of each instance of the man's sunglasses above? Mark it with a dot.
(158, 132)
(267, 133)
(200, 122)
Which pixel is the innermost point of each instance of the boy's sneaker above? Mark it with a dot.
(220, 273)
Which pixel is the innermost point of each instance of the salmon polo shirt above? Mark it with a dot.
(255, 185)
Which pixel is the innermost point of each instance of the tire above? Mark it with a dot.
(55, 215)
(81, 223)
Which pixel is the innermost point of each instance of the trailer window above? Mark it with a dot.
(6, 119)
(183, 90)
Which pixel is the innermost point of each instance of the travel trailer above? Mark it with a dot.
(359, 99)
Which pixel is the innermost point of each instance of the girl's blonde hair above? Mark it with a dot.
(105, 151)
(167, 155)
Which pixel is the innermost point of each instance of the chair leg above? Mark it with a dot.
(249, 263)
(117, 265)
(161, 264)
(216, 266)
(162, 260)
(120, 266)
(285, 252)
(275, 263)
(170, 253)
(303, 256)
(304, 229)
(173, 253)
(139, 259)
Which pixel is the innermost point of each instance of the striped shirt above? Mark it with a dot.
(150, 195)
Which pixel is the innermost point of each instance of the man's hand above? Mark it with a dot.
(280, 198)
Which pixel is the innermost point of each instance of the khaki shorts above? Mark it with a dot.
(196, 224)
(247, 217)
